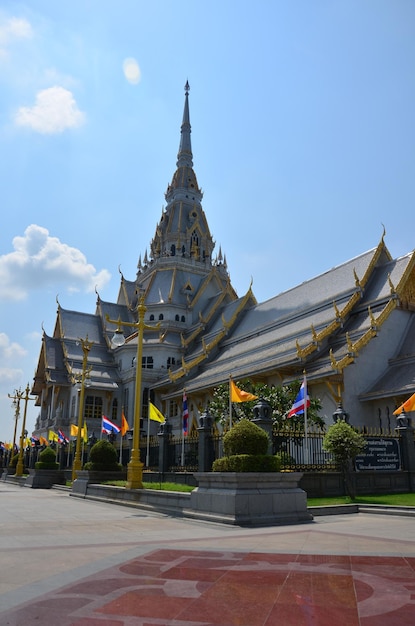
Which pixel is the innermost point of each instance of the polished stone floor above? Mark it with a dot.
(70, 562)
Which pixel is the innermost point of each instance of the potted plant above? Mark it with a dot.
(46, 472)
(246, 486)
(102, 466)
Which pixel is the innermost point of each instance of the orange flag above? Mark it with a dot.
(124, 425)
(238, 395)
(407, 406)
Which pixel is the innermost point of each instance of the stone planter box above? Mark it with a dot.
(44, 478)
(88, 477)
(249, 499)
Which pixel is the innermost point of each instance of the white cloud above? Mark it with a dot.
(40, 261)
(14, 28)
(131, 71)
(54, 111)
(9, 350)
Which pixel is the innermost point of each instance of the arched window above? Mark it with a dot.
(161, 316)
(147, 362)
(183, 318)
(114, 409)
(151, 318)
(177, 318)
(173, 250)
(125, 403)
(93, 407)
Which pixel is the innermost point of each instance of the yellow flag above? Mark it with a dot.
(407, 406)
(74, 430)
(238, 395)
(43, 441)
(84, 433)
(155, 414)
(52, 436)
(124, 425)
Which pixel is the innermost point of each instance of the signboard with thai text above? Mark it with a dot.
(380, 454)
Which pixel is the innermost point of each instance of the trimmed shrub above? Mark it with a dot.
(245, 438)
(14, 460)
(103, 458)
(47, 460)
(247, 463)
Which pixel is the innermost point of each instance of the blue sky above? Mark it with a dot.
(303, 138)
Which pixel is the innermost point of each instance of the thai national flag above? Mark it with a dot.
(109, 427)
(301, 402)
(185, 415)
(62, 438)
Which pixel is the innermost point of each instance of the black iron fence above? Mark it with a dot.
(183, 454)
(297, 451)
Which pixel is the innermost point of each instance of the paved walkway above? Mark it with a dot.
(67, 561)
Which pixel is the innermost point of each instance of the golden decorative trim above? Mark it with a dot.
(356, 279)
(173, 282)
(187, 366)
(337, 312)
(386, 312)
(391, 285)
(350, 346)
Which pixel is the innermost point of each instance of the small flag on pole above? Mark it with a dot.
(155, 414)
(238, 395)
(302, 401)
(185, 415)
(74, 430)
(407, 406)
(124, 425)
(62, 437)
(109, 427)
(52, 436)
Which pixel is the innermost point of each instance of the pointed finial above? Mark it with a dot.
(187, 88)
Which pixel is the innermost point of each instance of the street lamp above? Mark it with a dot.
(135, 466)
(18, 395)
(77, 464)
(340, 414)
(20, 463)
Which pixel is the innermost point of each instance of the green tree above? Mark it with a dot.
(280, 399)
(344, 443)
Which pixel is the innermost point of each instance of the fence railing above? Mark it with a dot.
(298, 453)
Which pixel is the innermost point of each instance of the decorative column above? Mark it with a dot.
(164, 448)
(263, 419)
(206, 452)
(407, 446)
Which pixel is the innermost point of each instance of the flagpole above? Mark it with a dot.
(305, 420)
(148, 440)
(120, 459)
(230, 402)
(182, 420)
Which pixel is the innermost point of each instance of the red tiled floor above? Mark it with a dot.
(197, 588)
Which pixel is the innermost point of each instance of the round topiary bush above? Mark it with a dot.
(245, 438)
(47, 460)
(103, 457)
(245, 447)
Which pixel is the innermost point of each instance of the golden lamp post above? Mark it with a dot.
(135, 466)
(77, 463)
(20, 395)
